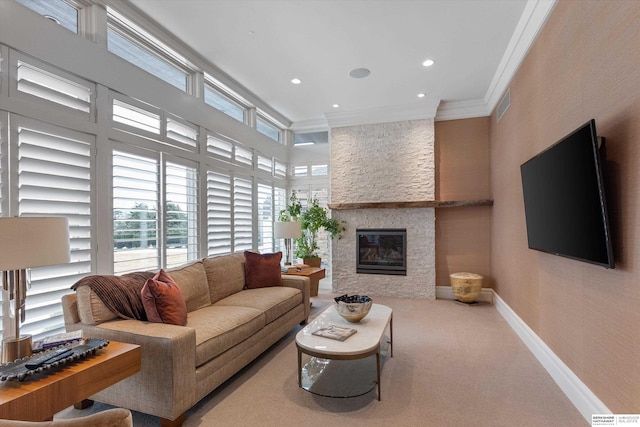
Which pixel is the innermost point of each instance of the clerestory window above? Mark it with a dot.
(61, 12)
(141, 49)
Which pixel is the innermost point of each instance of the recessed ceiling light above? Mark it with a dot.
(421, 95)
(296, 81)
(336, 105)
(359, 73)
(428, 63)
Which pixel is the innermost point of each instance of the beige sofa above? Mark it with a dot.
(227, 327)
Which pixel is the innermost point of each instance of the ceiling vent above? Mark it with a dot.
(503, 106)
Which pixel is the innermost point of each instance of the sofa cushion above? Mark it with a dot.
(192, 281)
(163, 301)
(262, 270)
(225, 275)
(273, 301)
(91, 309)
(218, 328)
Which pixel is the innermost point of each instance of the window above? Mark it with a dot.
(243, 156)
(54, 179)
(181, 213)
(265, 218)
(182, 131)
(310, 138)
(148, 171)
(58, 11)
(319, 170)
(267, 128)
(135, 213)
(242, 214)
(136, 117)
(219, 148)
(47, 82)
(280, 169)
(144, 51)
(265, 164)
(279, 203)
(224, 103)
(300, 170)
(218, 214)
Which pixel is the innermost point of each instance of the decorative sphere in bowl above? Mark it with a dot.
(353, 308)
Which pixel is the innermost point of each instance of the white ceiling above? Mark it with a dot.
(263, 44)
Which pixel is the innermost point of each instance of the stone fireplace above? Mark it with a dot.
(388, 166)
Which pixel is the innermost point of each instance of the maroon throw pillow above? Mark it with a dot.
(262, 270)
(162, 300)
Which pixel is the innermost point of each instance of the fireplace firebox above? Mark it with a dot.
(381, 251)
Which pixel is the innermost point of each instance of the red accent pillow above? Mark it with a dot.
(162, 300)
(262, 270)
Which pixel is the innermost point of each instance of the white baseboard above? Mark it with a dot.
(578, 393)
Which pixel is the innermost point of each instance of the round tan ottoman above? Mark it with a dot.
(466, 286)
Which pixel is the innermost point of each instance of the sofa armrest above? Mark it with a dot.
(165, 385)
(70, 309)
(304, 284)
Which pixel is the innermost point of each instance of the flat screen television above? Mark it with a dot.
(564, 199)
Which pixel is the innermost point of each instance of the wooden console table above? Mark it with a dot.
(314, 275)
(44, 394)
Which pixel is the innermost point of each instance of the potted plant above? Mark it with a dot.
(313, 219)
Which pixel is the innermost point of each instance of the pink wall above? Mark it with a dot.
(584, 64)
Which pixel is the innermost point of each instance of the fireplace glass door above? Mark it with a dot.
(381, 251)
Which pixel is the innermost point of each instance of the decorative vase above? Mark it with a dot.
(466, 286)
(312, 262)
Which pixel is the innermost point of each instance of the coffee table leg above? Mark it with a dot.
(299, 368)
(391, 335)
(378, 373)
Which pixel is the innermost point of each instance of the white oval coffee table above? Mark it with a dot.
(364, 343)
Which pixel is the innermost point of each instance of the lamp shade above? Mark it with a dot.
(287, 230)
(27, 242)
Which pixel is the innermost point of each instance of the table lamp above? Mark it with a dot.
(287, 230)
(26, 242)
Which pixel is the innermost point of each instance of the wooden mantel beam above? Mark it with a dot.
(413, 204)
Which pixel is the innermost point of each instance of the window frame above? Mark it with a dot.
(261, 118)
(144, 40)
(225, 95)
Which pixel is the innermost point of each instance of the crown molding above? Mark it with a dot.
(382, 115)
(533, 18)
(462, 110)
(310, 125)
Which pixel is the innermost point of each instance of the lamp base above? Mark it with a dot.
(16, 348)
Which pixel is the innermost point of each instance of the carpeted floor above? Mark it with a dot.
(453, 365)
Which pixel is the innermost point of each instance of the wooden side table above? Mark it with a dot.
(314, 275)
(42, 395)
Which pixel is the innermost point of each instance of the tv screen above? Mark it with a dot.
(564, 199)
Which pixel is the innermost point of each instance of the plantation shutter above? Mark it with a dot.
(52, 86)
(242, 214)
(54, 179)
(279, 203)
(181, 213)
(135, 213)
(265, 218)
(218, 214)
